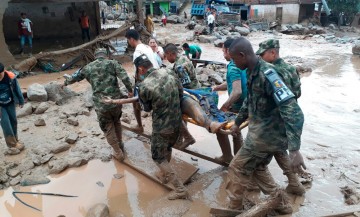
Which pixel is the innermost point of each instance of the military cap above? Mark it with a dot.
(266, 45)
(140, 60)
(100, 52)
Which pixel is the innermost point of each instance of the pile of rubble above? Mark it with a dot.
(299, 29)
(211, 75)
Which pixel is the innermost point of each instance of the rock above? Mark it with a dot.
(76, 161)
(73, 121)
(44, 159)
(356, 48)
(26, 165)
(110, 17)
(190, 38)
(71, 138)
(242, 30)
(98, 210)
(206, 84)
(199, 29)
(15, 180)
(3, 176)
(203, 77)
(57, 166)
(126, 120)
(60, 148)
(36, 159)
(219, 43)
(34, 180)
(225, 31)
(118, 176)
(13, 172)
(42, 108)
(84, 111)
(24, 111)
(329, 37)
(57, 94)
(172, 19)
(332, 26)
(218, 35)
(233, 35)
(100, 184)
(89, 102)
(207, 38)
(216, 78)
(40, 122)
(36, 92)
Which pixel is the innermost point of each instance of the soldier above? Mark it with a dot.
(160, 91)
(102, 74)
(275, 124)
(185, 71)
(236, 86)
(269, 51)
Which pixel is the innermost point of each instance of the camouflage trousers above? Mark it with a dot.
(161, 145)
(248, 166)
(110, 124)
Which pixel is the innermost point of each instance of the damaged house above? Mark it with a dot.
(286, 11)
(55, 24)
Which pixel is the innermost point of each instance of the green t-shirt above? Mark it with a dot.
(193, 49)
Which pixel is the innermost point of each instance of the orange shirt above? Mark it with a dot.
(84, 22)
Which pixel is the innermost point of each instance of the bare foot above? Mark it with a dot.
(138, 129)
(216, 126)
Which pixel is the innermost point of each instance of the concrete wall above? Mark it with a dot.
(5, 57)
(51, 20)
(290, 12)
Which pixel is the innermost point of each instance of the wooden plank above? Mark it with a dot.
(127, 127)
(355, 214)
(224, 212)
(138, 157)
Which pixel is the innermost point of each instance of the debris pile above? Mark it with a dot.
(211, 75)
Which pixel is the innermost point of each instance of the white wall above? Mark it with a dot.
(290, 12)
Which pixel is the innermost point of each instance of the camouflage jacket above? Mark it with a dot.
(292, 78)
(102, 74)
(185, 70)
(271, 128)
(162, 90)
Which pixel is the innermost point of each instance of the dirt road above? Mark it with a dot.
(330, 145)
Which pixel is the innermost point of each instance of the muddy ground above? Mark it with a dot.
(330, 144)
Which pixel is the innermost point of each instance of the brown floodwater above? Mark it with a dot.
(330, 146)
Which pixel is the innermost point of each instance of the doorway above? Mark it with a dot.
(279, 11)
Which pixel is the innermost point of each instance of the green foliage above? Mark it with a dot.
(349, 7)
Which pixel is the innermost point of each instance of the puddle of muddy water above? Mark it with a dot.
(129, 195)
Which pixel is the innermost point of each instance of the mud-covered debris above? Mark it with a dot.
(351, 195)
(40, 122)
(100, 184)
(98, 210)
(118, 176)
(71, 138)
(73, 121)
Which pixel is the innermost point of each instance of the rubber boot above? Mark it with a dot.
(180, 191)
(294, 186)
(19, 146)
(225, 148)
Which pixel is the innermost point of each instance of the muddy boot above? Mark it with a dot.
(180, 191)
(285, 206)
(216, 126)
(19, 146)
(294, 186)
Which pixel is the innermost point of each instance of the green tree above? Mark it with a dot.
(349, 7)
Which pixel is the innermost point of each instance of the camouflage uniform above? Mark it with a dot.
(102, 74)
(162, 91)
(188, 79)
(291, 78)
(272, 128)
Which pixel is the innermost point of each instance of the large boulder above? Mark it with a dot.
(36, 92)
(199, 29)
(219, 42)
(42, 108)
(173, 19)
(242, 30)
(58, 94)
(356, 48)
(207, 38)
(110, 17)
